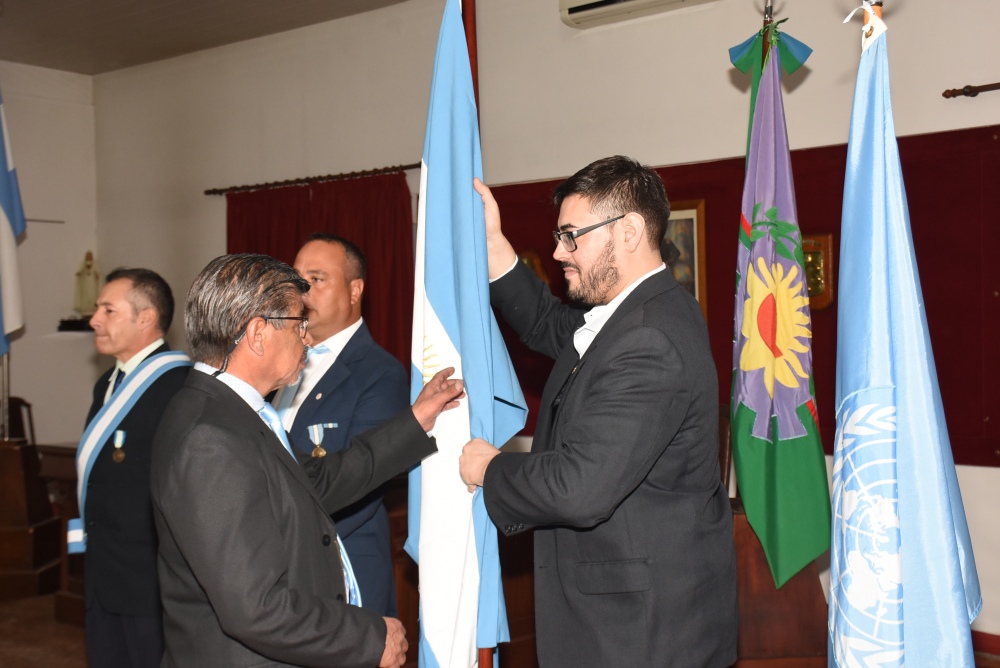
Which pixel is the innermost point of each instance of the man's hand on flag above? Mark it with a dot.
(476, 456)
(439, 394)
(499, 251)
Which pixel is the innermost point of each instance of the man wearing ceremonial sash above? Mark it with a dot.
(350, 385)
(251, 569)
(116, 531)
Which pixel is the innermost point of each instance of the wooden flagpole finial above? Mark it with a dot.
(768, 20)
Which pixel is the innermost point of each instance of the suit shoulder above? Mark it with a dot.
(383, 359)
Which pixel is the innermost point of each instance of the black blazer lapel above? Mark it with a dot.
(652, 286)
(232, 403)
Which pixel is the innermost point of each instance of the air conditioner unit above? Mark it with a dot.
(589, 13)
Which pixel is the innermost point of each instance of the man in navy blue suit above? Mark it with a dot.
(350, 385)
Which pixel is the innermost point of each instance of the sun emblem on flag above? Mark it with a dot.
(430, 364)
(773, 324)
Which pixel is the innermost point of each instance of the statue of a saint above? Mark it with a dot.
(87, 280)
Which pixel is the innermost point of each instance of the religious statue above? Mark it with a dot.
(85, 295)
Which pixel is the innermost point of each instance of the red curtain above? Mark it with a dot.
(373, 211)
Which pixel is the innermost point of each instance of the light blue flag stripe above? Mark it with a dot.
(456, 284)
(904, 587)
(10, 201)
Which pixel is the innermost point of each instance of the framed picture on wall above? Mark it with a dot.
(683, 248)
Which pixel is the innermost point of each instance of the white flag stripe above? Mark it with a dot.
(10, 283)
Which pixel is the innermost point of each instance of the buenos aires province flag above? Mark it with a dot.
(776, 446)
(12, 226)
(451, 536)
(903, 583)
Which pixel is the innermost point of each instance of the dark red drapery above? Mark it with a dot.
(373, 211)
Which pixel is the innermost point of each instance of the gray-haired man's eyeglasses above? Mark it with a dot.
(303, 321)
(568, 238)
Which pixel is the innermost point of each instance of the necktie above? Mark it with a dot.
(271, 419)
(119, 377)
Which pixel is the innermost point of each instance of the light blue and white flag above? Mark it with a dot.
(451, 536)
(904, 588)
(11, 227)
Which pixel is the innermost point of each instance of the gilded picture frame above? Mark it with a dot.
(683, 248)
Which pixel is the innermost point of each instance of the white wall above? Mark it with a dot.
(662, 90)
(352, 94)
(50, 118)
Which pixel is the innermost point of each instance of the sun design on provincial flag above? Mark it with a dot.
(773, 323)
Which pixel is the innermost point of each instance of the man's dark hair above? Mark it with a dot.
(619, 185)
(356, 265)
(149, 290)
(230, 292)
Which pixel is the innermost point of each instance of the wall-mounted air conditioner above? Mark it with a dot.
(589, 13)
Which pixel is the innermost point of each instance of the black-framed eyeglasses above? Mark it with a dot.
(303, 327)
(303, 321)
(568, 238)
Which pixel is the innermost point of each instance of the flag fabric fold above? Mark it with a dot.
(450, 534)
(748, 56)
(904, 587)
(777, 451)
(11, 228)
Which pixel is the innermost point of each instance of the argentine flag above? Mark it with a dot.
(451, 536)
(11, 227)
(903, 582)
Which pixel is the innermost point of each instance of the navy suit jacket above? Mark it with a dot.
(364, 388)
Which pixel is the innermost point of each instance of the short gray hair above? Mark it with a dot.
(230, 292)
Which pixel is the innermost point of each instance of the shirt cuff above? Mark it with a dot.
(509, 269)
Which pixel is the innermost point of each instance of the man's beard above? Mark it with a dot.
(598, 281)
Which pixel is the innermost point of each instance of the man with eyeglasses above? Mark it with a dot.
(350, 385)
(251, 569)
(634, 556)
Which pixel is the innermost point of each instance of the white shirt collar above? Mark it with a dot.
(239, 386)
(316, 367)
(336, 343)
(595, 318)
(136, 360)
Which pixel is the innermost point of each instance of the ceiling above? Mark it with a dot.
(96, 36)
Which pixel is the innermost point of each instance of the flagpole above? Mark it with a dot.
(5, 395)
(768, 20)
(876, 8)
(469, 22)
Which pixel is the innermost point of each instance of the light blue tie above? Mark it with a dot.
(271, 419)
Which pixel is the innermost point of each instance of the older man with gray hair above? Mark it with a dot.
(250, 570)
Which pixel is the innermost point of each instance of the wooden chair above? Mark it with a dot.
(21, 424)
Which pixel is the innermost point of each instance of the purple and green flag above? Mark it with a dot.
(776, 444)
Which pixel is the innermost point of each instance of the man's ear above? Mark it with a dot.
(357, 286)
(257, 336)
(634, 230)
(147, 318)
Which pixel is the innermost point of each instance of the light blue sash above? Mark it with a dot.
(105, 422)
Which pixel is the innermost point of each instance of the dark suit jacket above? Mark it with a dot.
(365, 387)
(120, 561)
(634, 556)
(250, 573)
